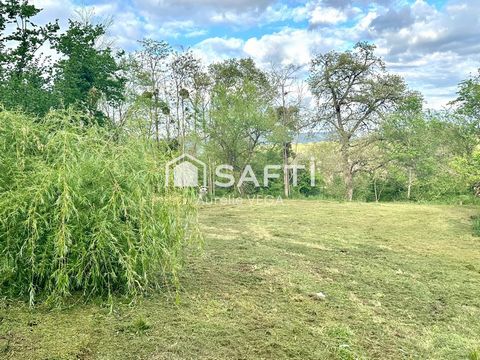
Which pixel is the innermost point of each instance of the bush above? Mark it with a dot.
(83, 211)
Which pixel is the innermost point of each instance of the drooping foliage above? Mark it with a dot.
(82, 212)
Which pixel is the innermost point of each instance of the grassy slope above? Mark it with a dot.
(401, 281)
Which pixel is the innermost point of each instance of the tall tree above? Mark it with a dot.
(241, 113)
(87, 74)
(184, 67)
(353, 93)
(288, 101)
(406, 138)
(23, 75)
(469, 99)
(468, 102)
(25, 38)
(199, 102)
(150, 72)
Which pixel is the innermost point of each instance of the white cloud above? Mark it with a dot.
(327, 15)
(434, 51)
(126, 30)
(203, 12)
(436, 75)
(288, 46)
(218, 49)
(53, 10)
(432, 47)
(174, 29)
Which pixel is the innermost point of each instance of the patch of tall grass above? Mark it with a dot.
(476, 225)
(84, 211)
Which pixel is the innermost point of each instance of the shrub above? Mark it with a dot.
(84, 211)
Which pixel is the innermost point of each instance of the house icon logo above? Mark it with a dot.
(186, 170)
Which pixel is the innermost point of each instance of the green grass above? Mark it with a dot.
(476, 225)
(401, 281)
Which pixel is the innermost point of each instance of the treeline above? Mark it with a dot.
(380, 143)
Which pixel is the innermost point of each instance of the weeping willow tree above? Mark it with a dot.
(84, 212)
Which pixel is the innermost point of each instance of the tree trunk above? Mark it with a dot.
(286, 177)
(349, 185)
(183, 126)
(157, 120)
(211, 183)
(286, 173)
(347, 173)
(410, 181)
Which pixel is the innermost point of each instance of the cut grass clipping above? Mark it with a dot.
(82, 212)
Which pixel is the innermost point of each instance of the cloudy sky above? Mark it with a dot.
(434, 44)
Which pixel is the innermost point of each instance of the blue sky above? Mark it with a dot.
(434, 44)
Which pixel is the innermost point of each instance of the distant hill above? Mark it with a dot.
(305, 138)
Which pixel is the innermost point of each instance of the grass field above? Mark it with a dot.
(400, 281)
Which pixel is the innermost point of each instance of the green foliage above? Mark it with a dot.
(468, 167)
(81, 212)
(429, 154)
(30, 91)
(24, 78)
(304, 186)
(232, 73)
(353, 93)
(469, 99)
(139, 326)
(241, 116)
(87, 74)
(474, 355)
(23, 38)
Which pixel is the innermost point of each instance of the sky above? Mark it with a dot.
(433, 44)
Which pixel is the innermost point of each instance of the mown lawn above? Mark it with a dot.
(400, 280)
